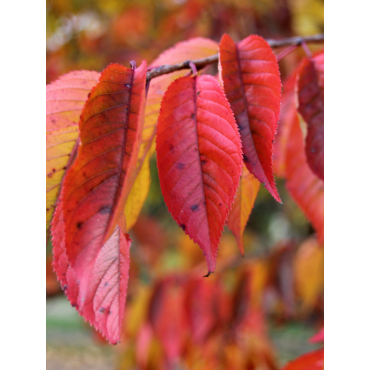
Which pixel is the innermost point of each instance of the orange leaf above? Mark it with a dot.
(245, 197)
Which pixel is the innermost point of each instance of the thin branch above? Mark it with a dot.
(201, 63)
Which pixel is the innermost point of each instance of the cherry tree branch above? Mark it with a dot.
(201, 63)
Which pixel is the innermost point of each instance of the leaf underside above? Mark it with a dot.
(245, 197)
(65, 99)
(199, 159)
(303, 185)
(310, 83)
(102, 300)
(98, 183)
(251, 80)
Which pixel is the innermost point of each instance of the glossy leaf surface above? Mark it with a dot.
(101, 300)
(98, 183)
(246, 195)
(65, 99)
(199, 159)
(303, 185)
(310, 88)
(251, 80)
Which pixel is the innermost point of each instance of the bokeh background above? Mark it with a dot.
(256, 312)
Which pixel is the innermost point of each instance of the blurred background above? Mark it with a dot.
(256, 312)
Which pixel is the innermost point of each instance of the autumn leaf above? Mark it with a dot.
(310, 86)
(65, 99)
(251, 80)
(303, 185)
(199, 159)
(310, 361)
(97, 185)
(246, 195)
(318, 337)
(195, 48)
(101, 300)
(288, 116)
(138, 195)
(167, 317)
(309, 273)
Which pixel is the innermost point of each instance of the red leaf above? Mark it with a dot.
(242, 207)
(288, 116)
(310, 361)
(318, 337)
(310, 82)
(199, 304)
(195, 48)
(97, 184)
(65, 99)
(101, 300)
(251, 79)
(199, 159)
(167, 317)
(303, 185)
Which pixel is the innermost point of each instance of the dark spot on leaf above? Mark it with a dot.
(105, 210)
(102, 310)
(79, 225)
(109, 312)
(203, 161)
(53, 169)
(65, 287)
(170, 146)
(53, 120)
(192, 116)
(64, 168)
(194, 207)
(50, 175)
(198, 92)
(313, 150)
(183, 226)
(106, 284)
(73, 304)
(180, 166)
(195, 149)
(245, 158)
(220, 204)
(204, 202)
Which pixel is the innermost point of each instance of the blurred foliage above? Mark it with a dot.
(280, 280)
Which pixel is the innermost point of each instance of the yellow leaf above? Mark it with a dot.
(138, 195)
(65, 99)
(245, 197)
(309, 273)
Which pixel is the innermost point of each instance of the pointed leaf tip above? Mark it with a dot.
(251, 79)
(199, 159)
(99, 292)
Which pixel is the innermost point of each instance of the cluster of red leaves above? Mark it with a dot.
(203, 136)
